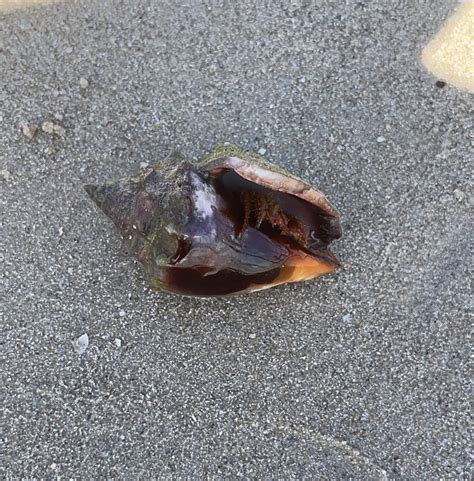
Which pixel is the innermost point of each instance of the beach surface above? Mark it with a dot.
(361, 374)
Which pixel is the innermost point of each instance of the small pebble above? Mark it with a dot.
(262, 151)
(53, 466)
(118, 342)
(5, 175)
(59, 117)
(49, 151)
(347, 317)
(252, 336)
(28, 130)
(144, 165)
(81, 344)
(53, 129)
(83, 83)
(459, 195)
(48, 127)
(121, 313)
(380, 139)
(61, 230)
(59, 131)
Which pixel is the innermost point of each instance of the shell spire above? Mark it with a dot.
(116, 200)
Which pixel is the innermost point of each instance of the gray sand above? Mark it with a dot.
(360, 374)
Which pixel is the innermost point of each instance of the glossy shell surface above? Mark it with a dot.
(232, 223)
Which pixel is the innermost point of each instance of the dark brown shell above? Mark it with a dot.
(233, 223)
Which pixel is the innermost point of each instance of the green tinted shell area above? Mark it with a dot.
(203, 231)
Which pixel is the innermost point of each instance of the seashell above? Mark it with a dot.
(232, 223)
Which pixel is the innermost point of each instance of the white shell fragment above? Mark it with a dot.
(5, 175)
(53, 129)
(81, 344)
(83, 83)
(347, 317)
(28, 130)
(459, 195)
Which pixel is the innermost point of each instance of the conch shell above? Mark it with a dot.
(232, 223)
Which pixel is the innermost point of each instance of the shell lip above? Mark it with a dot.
(274, 179)
(327, 255)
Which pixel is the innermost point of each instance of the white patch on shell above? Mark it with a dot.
(204, 197)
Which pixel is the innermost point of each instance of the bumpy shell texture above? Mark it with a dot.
(232, 223)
